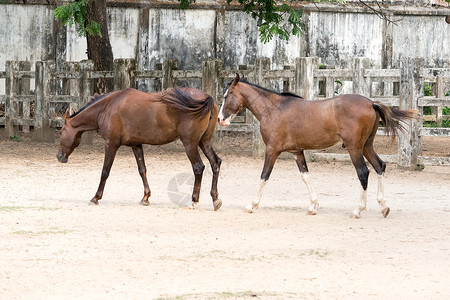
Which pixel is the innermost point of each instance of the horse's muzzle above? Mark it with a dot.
(223, 122)
(61, 158)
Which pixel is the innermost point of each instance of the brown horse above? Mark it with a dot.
(290, 123)
(132, 118)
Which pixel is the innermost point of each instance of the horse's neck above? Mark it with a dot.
(86, 120)
(260, 106)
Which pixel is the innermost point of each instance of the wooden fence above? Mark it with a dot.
(40, 108)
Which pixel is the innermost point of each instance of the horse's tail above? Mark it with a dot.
(181, 99)
(394, 119)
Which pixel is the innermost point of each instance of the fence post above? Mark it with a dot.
(411, 89)
(123, 74)
(361, 85)
(262, 65)
(167, 80)
(11, 85)
(85, 93)
(43, 82)
(211, 77)
(439, 94)
(304, 83)
(86, 66)
(24, 89)
(304, 76)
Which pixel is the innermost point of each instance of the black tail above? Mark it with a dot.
(394, 119)
(181, 99)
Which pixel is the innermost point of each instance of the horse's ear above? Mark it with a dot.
(66, 115)
(236, 80)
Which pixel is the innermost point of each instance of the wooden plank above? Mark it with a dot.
(63, 99)
(280, 74)
(23, 122)
(345, 157)
(433, 101)
(389, 74)
(237, 127)
(433, 72)
(24, 74)
(24, 98)
(100, 74)
(186, 74)
(391, 101)
(336, 73)
(66, 75)
(434, 161)
(434, 131)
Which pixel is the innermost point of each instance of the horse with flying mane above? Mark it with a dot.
(132, 118)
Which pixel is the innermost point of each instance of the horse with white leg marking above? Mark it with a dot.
(289, 123)
(132, 118)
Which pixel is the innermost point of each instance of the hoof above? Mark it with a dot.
(194, 205)
(93, 202)
(385, 211)
(355, 216)
(311, 212)
(144, 202)
(250, 208)
(217, 204)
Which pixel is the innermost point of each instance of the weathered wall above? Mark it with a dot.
(422, 36)
(339, 37)
(152, 31)
(25, 33)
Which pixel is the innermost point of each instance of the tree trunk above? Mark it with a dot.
(99, 49)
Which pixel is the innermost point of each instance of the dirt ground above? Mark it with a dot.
(55, 246)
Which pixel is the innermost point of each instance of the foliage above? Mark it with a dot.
(14, 137)
(75, 13)
(274, 18)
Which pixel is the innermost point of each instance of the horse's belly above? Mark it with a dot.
(151, 135)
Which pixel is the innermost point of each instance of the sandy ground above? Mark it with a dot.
(55, 246)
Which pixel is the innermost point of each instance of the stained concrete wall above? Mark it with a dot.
(153, 32)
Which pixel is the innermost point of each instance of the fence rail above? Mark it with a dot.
(23, 108)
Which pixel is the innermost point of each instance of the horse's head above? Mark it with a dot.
(69, 139)
(232, 104)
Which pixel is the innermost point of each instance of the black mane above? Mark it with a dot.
(94, 99)
(284, 94)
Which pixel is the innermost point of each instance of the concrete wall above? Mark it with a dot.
(155, 30)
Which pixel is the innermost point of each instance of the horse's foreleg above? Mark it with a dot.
(301, 164)
(363, 176)
(269, 161)
(139, 155)
(215, 162)
(197, 167)
(110, 153)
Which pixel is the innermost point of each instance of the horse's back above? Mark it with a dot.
(137, 117)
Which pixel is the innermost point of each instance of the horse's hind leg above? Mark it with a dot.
(139, 155)
(363, 176)
(215, 162)
(197, 167)
(380, 167)
(301, 163)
